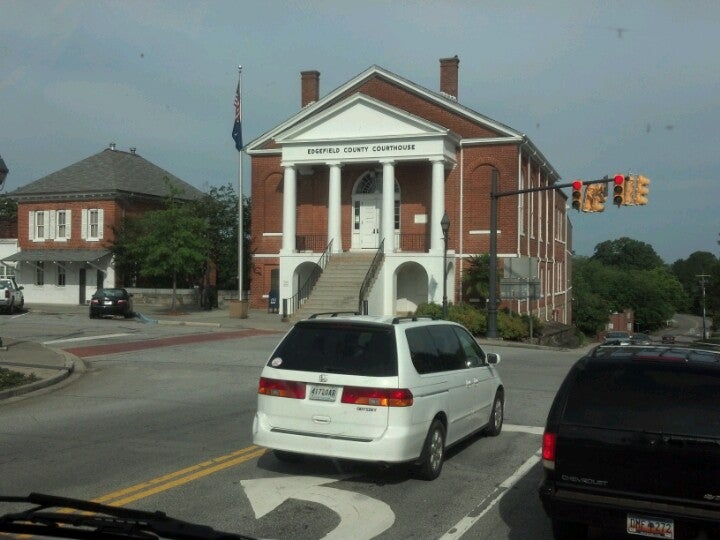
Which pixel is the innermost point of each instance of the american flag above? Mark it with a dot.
(237, 128)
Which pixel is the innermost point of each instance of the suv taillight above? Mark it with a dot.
(377, 397)
(277, 388)
(549, 447)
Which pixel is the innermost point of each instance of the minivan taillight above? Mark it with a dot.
(7, 293)
(277, 388)
(549, 447)
(377, 397)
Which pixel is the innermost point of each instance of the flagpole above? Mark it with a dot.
(240, 202)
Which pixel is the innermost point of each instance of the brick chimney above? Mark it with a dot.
(310, 88)
(449, 76)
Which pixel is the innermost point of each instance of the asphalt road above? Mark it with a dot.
(161, 420)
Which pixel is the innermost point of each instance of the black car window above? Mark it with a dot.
(423, 353)
(474, 355)
(450, 352)
(349, 349)
(115, 293)
(648, 396)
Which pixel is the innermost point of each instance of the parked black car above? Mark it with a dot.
(111, 302)
(632, 444)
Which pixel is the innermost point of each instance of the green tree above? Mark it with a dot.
(688, 272)
(476, 278)
(627, 253)
(219, 209)
(8, 209)
(590, 307)
(168, 243)
(653, 293)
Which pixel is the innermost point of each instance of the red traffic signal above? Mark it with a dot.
(619, 181)
(577, 194)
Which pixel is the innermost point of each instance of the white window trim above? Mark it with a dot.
(68, 225)
(86, 227)
(33, 225)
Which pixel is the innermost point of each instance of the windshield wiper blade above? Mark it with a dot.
(105, 522)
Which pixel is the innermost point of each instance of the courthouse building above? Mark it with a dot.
(356, 184)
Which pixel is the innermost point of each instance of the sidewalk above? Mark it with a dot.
(52, 366)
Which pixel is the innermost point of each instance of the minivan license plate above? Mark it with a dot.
(323, 393)
(650, 526)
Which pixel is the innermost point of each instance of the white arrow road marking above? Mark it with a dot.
(360, 516)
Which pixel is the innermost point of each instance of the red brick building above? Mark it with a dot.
(375, 164)
(66, 222)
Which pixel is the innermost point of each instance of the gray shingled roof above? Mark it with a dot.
(109, 172)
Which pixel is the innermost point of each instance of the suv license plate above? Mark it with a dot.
(650, 526)
(323, 393)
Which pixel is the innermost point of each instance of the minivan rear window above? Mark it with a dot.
(349, 349)
(648, 397)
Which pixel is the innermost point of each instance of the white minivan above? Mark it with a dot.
(387, 390)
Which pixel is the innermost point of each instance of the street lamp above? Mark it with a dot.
(445, 226)
(3, 175)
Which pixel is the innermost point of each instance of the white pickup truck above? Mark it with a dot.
(11, 296)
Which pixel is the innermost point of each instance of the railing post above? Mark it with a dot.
(284, 311)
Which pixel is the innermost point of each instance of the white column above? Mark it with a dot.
(334, 222)
(289, 209)
(438, 206)
(388, 205)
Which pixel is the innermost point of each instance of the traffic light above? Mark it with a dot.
(577, 194)
(619, 182)
(594, 198)
(629, 191)
(641, 190)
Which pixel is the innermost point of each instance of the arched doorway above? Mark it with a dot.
(367, 210)
(412, 288)
(300, 279)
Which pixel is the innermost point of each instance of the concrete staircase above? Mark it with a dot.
(338, 287)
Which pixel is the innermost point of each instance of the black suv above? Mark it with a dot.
(632, 444)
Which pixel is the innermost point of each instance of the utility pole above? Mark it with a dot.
(702, 285)
(492, 330)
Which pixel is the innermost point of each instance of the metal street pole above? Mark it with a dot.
(445, 226)
(702, 284)
(492, 301)
(3, 174)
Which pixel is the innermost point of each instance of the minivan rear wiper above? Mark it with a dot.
(99, 521)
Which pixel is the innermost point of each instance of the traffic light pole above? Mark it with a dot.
(492, 331)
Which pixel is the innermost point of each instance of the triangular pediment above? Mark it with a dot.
(360, 118)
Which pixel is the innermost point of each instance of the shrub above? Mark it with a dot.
(471, 318)
(429, 310)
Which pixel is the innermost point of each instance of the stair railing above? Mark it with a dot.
(370, 277)
(296, 300)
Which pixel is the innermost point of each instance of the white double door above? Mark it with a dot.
(370, 229)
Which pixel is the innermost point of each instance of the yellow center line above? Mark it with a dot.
(162, 483)
(178, 478)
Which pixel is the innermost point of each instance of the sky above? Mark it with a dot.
(599, 87)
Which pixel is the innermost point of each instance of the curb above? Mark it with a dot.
(165, 322)
(62, 373)
(73, 364)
